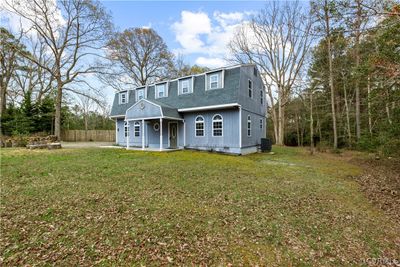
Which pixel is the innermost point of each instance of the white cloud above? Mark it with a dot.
(210, 62)
(188, 30)
(197, 33)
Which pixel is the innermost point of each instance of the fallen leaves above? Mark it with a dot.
(116, 207)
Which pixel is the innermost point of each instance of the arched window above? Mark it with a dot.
(217, 125)
(136, 128)
(248, 125)
(199, 126)
(126, 128)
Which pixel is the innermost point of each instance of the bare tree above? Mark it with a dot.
(10, 52)
(86, 104)
(73, 31)
(323, 11)
(138, 56)
(277, 40)
(31, 79)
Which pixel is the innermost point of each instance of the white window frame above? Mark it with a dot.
(210, 81)
(120, 98)
(188, 86)
(222, 125)
(157, 86)
(136, 131)
(198, 122)
(248, 125)
(250, 88)
(126, 129)
(261, 124)
(137, 93)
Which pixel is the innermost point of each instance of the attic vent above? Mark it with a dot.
(255, 71)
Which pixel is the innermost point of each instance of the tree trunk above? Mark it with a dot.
(3, 99)
(297, 129)
(281, 122)
(57, 119)
(86, 126)
(346, 105)
(369, 106)
(273, 115)
(329, 50)
(357, 64)
(311, 125)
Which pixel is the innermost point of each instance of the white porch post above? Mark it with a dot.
(116, 131)
(161, 138)
(240, 127)
(184, 133)
(127, 138)
(142, 134)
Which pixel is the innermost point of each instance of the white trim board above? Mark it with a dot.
(117, 116)
(154, 118)
(209, 107)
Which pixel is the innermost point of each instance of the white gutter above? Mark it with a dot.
(209, 107)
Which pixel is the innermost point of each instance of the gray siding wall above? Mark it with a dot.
(230, 136)
(120, 132)
(252, 104)
(149, 110)
(152, 137)
(133, 140)
(256, 132)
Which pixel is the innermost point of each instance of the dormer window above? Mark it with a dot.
(123, 98)
(185, 86)
(140, 94)
(214, 81)
(161, 90)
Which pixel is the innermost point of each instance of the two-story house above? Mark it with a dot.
(221, 110)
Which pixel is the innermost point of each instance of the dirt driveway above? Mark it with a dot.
(85, 144)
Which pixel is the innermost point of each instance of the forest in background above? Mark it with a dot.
(331, 69)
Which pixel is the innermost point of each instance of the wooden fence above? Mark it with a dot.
(90, 135)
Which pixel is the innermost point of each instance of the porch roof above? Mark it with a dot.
(146, 109)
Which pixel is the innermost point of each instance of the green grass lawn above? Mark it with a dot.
(118, 207)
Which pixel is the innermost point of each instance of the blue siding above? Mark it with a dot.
(120, 132)
(256, 132)
(235, 90)
(230, 136)
(144, 109)
(252, 104)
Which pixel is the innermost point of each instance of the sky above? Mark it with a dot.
(197, 30)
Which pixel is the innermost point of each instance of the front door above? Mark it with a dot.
(173, 133)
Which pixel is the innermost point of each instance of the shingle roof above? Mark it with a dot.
(167, 110)
(199, 97)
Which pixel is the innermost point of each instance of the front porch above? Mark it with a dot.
(153, 127)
